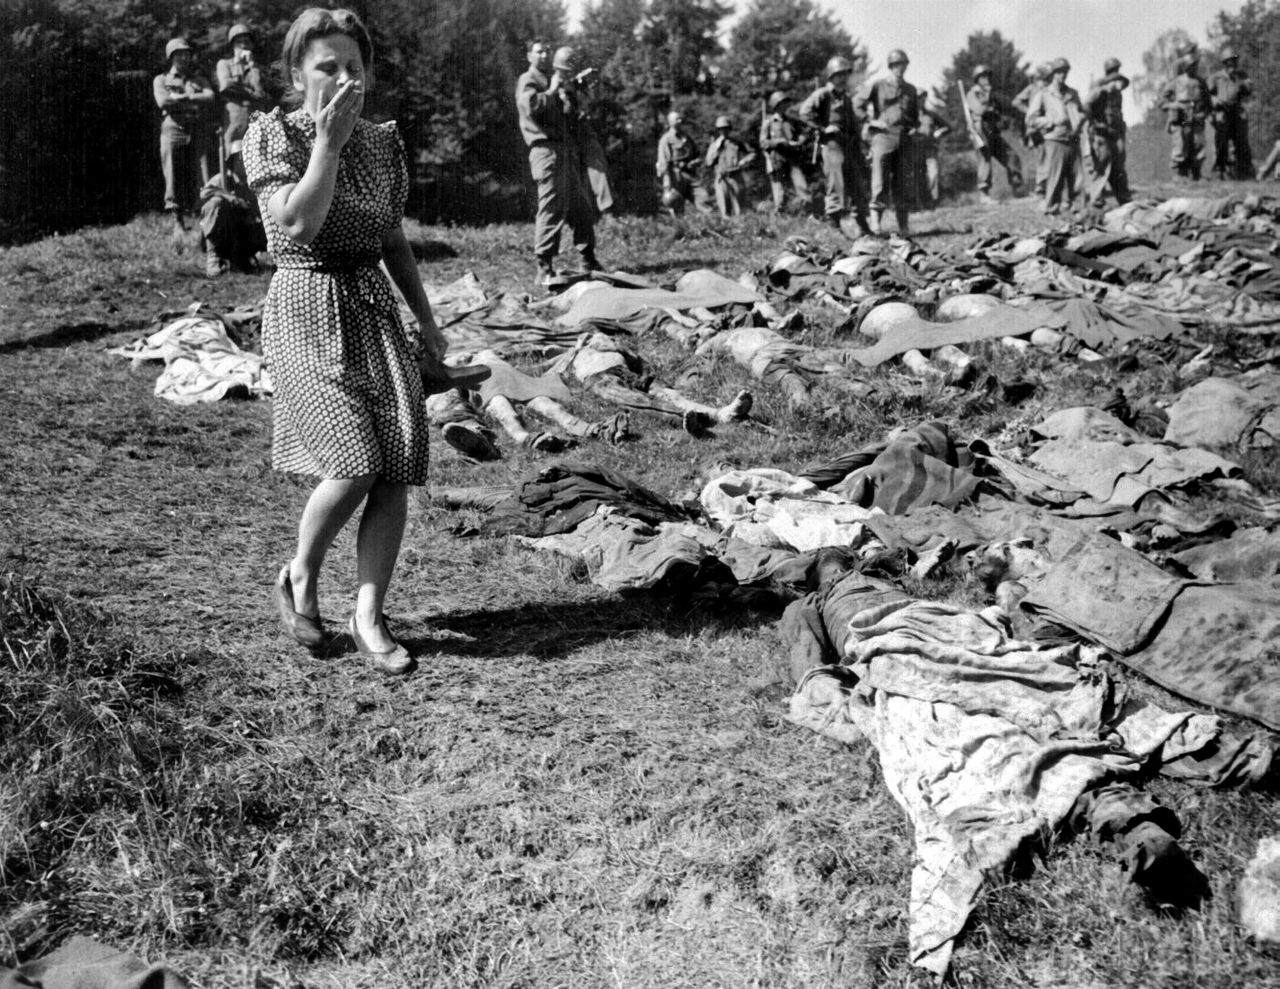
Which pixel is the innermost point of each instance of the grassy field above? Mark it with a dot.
(574, 789)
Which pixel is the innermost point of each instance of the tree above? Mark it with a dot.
(1159, 63)
(785, 44)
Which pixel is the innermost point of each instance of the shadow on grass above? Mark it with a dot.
(62, 336)
(554, 629)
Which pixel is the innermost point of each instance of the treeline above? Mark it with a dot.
(78, 127)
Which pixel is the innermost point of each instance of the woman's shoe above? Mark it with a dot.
(305, 631)
(395, 660)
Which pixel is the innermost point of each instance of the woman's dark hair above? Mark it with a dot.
(317, 22)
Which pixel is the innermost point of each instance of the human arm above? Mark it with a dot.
(1022, 102)
(533, 101)
(300, 208)
(398, 258)
(164, 97)
(199, 90)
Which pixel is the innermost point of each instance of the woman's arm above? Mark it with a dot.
(403, 269)
(301, 208)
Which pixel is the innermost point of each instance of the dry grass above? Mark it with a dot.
(576, 788)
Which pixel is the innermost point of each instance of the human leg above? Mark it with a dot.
(985, 171)
(1120, 170)
(331, 504)
(833, 172)
(549, 219)
(722, 195)
(779, 192)
(1057, 176)
(377, 547)
(167, 168)
(1221, 148)
(1103, 160)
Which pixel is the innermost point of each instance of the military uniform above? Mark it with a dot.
(1032, 137)
(783, 144)
(677, 166)
(547, 124)
(185, 99)
(1228, 90)
(1186, 100)
(242, 90)
(892, 109)
(1057, 114)
(1107, 135)
(928, 174)
(988, 113)
(830, 109)
(727, 158)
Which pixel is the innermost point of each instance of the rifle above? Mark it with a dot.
(764, 124)
(975, 132)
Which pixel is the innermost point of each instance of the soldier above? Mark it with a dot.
(1228, 89)
(241, 86)
(1030, 136)
(186, 100)
(933, 128)
(892, 109)
(727, 159)
(677, 165)
(1108, 132)
(830, 109)
(1056, 113)
(783, 146)
(546, 109)
(987, 112)
(591, 151)
(1186, 101)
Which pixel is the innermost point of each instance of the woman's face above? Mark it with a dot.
(327, 62)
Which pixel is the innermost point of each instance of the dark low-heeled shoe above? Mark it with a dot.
(305, 631)
(395, 660)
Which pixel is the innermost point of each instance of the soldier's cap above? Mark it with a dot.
(1059, 65)
(722, 121)
(778, 98)
(1111, 66)
(176, 45)
(1187, 47)
(898, 57)
(981, 70)
(239, 31)
(838, 65)
(564, 59)
(1230, 55)
(674, 117)
(1041, 71)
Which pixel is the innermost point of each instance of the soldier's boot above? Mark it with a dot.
(873, 221)
(904, 225)
(833, 220)
(546, 271)
(214, 265)
(864, 228)
(590, 262)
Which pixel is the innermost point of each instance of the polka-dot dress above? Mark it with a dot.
(348, 394)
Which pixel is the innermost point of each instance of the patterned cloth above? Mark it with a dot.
(349, 398)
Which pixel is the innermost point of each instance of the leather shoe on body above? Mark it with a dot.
(305, 631)
(395, 660)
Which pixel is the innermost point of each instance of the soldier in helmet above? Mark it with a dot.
(892, 110)
(1056, 113)
(1107, 134)
(933, 128)
(1185, 99)
(1228, 90)
(186, 99)
(587, 142)
(830, 109)
(1030, 136)
(548, 125)
(783, 145)
(987, 111)
(242, 87)
(727, 159)
(677, 165)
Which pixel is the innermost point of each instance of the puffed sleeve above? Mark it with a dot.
(272, 157)
(397, 160)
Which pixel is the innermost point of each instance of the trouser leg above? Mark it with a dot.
(1056, 184)
(1103, 162)
(598, 174)
(985, 171)
(779, 192)
(167, 167)
(1012, 163)
(1221, 148)
(544, 163)
(883, 155)
(833, 172)
(1120, 171)
(800, 182)
(933, 179)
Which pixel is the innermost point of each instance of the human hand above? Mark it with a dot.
(337, 119)
(434, 341)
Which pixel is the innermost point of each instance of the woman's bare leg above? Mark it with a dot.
(333, 501)
(377, 547)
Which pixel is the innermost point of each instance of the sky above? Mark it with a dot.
(1085, 32)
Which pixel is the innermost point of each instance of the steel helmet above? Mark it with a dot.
(898, 57)
(1059, 65)
(1041, 71)
(1187, 47)
(674, 117)
(671, 198)
(176, 45)
(1188, 62)
(564, 59)
(722, 121)
(777, 99)
(1111, 65)
(981, 70)
(1230, 55)
(838, 64)
(239, 31)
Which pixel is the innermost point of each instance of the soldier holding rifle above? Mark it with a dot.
(830, 108)
(984, 114)
(1185, 100)
(783, 146)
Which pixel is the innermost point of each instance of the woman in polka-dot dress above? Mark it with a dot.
(348, 391)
